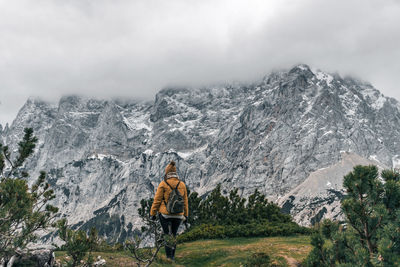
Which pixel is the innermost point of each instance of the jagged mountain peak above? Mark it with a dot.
(105, 155)
(302, 69)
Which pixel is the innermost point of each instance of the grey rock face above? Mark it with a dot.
(37, 257)
(103, 156)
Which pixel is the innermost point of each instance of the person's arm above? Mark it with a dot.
(185, 198)
(158, 198)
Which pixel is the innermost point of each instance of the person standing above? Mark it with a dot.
(171, 204)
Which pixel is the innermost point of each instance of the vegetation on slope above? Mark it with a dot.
(283, 251)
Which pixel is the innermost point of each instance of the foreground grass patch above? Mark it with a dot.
(284, 251)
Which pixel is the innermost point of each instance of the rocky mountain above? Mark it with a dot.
(291, 131)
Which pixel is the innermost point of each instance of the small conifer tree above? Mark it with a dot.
(370, 235)
(23, 210)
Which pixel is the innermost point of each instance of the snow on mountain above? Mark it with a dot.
(279, 135)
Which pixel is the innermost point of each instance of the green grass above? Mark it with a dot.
(223, 252)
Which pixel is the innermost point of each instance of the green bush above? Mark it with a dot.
(209, 231)
(77, 244)
(232, 209)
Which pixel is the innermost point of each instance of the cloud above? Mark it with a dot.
(49, 48)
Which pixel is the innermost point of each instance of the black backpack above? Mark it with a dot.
(175, 202)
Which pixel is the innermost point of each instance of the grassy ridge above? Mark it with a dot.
(284, 251)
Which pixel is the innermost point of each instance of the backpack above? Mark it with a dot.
(175, 202)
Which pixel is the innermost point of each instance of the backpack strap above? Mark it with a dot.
(169, 184)
(177, 185)
(165, 181)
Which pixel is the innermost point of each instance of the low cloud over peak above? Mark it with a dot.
(135, 48)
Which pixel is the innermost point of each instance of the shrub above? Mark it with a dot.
(217, 209)
(78, 243)
(209, 231)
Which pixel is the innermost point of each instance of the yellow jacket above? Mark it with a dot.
(162, 195)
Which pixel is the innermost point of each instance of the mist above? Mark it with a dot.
(132, 49)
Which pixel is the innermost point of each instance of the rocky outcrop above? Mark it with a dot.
(38, 257)
(103, 156)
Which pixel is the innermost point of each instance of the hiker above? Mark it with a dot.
(171, 204)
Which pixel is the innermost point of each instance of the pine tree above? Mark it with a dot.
(23, 210)
(194, 207)
(370, 235)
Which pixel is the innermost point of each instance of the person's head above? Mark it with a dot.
(170, 167)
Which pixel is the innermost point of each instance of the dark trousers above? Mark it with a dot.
(170, 226)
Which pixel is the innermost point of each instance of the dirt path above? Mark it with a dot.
(291, 262)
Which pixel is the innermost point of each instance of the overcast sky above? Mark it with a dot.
(104, 48)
